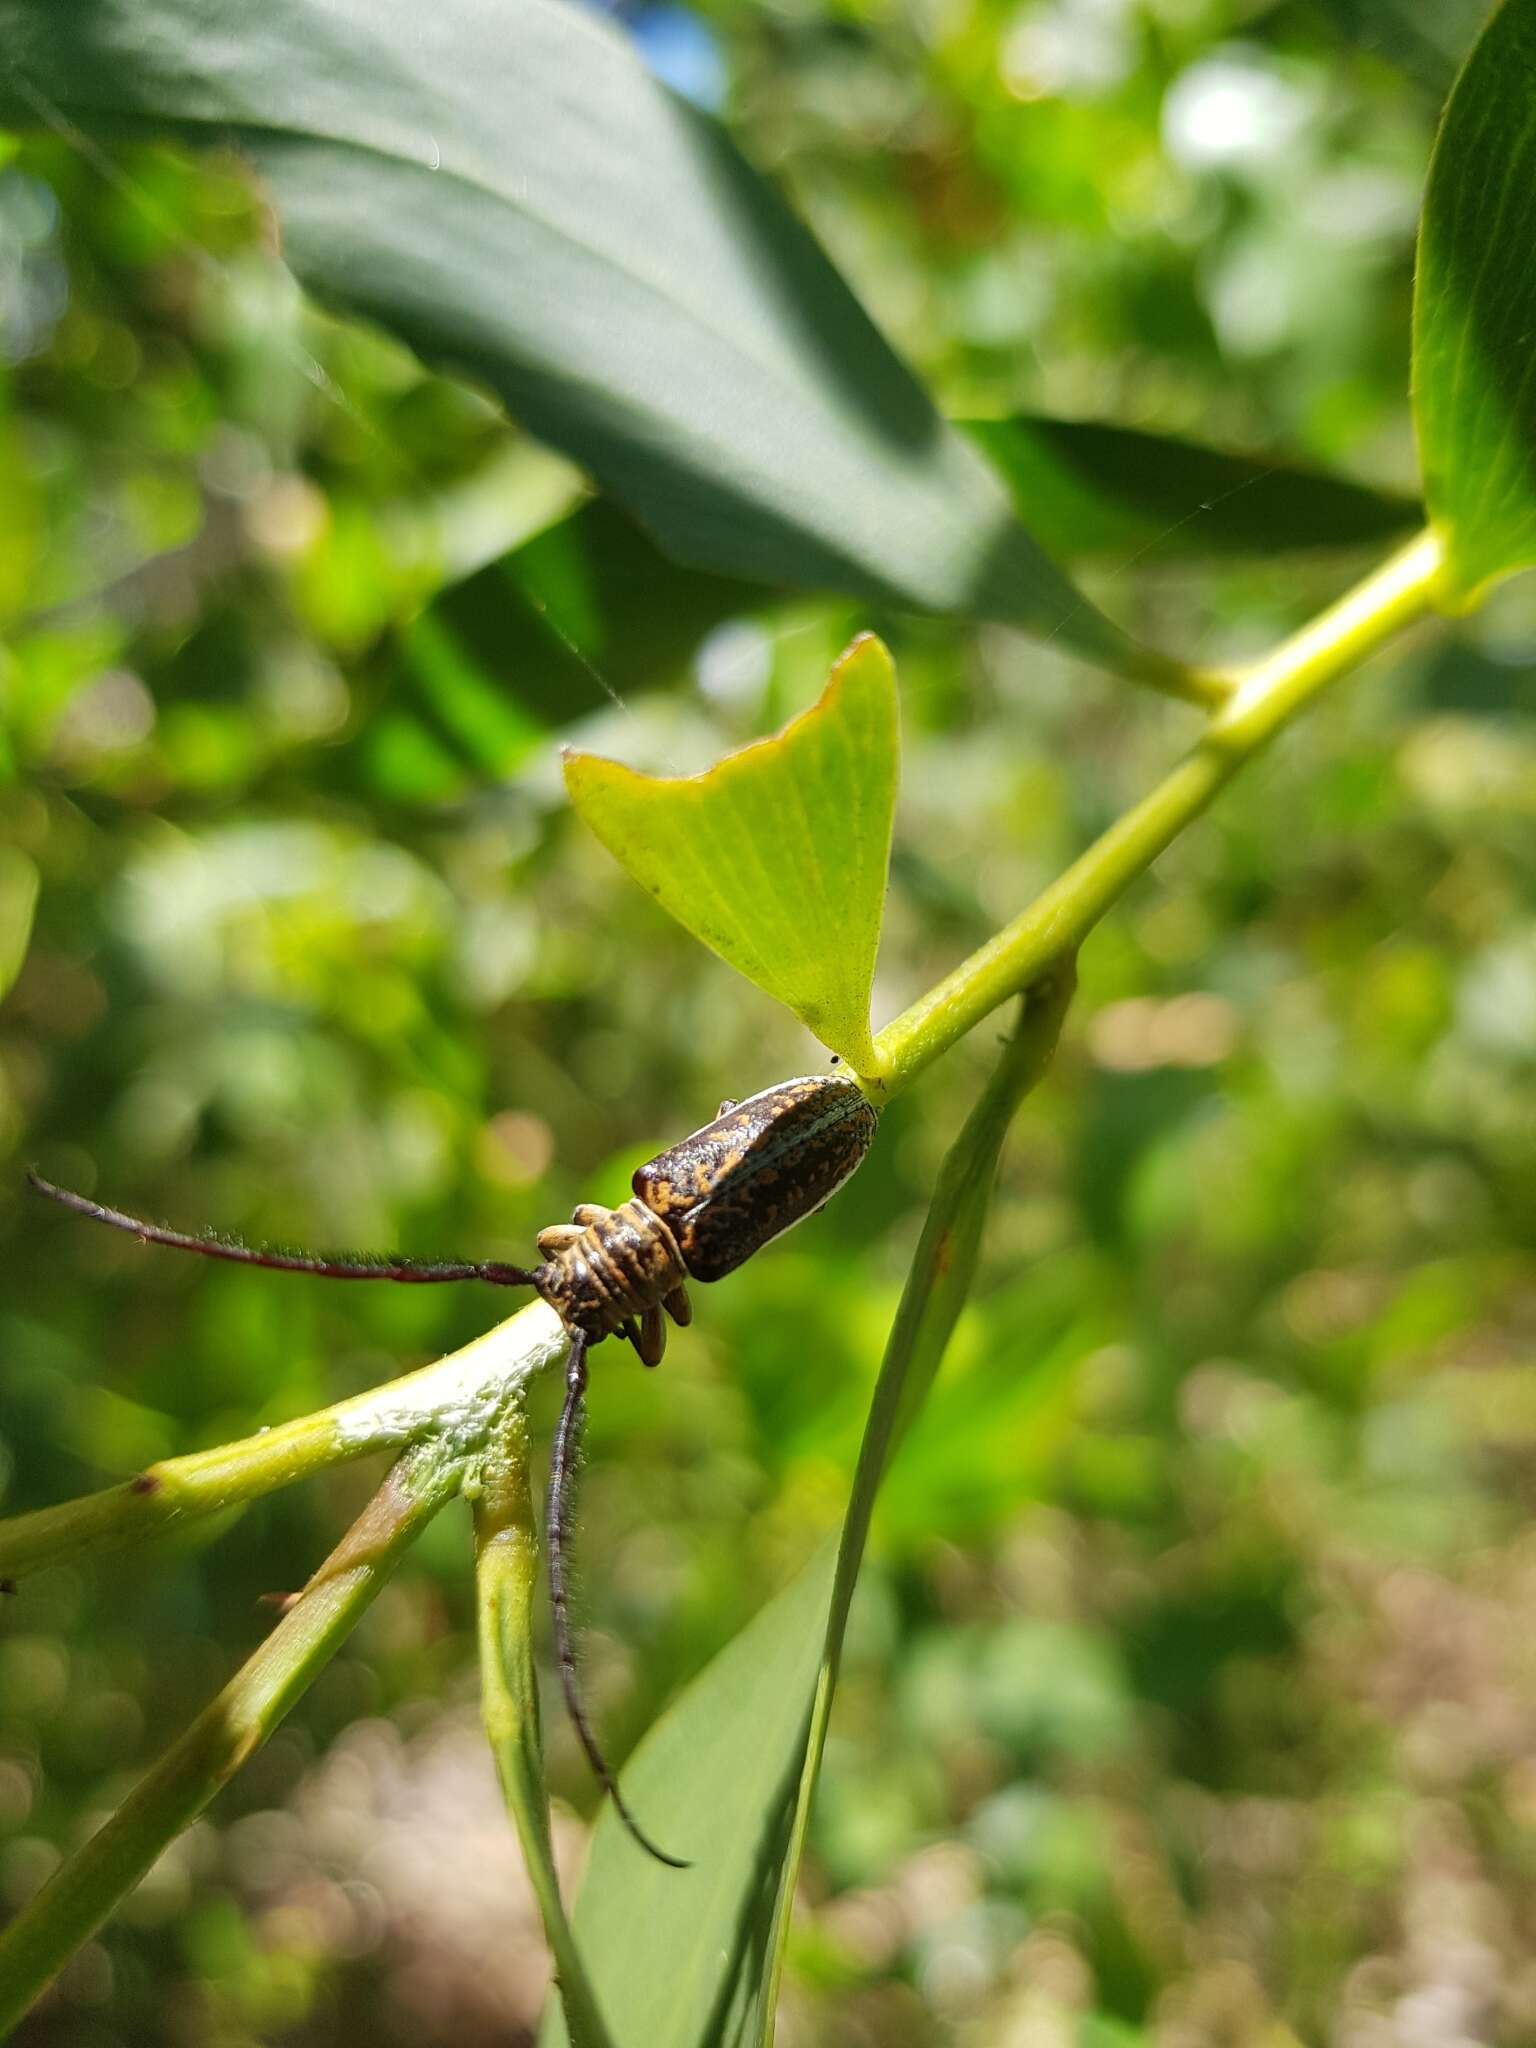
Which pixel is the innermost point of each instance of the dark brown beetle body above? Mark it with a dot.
(702, 1208)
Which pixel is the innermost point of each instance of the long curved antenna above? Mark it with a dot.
(557, 1533)
(412, 1272)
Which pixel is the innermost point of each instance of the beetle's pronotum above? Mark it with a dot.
(699, 1210)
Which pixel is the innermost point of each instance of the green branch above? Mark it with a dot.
(84, 1891)
(460, 1403)
(1259, 703)
(507, 1582)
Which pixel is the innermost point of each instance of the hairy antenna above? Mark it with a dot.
(557, 1532)
(411, 1272)
(562, 1470)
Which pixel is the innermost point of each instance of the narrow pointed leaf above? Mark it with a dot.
(1091, 488)
(509, 190)
(777, 856)
(1475, 313)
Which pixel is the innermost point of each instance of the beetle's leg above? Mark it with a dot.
(588, 1213)
(556, 1237)
(630, 1330)
(678, 1306)
(413, 1272)
(651, 1338)
(730, 1103)
(557, 1536)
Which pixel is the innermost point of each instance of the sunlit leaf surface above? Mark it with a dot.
(777, 856)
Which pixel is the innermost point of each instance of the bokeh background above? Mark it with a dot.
(1191, 1695)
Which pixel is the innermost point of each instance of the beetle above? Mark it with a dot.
(697, 1212)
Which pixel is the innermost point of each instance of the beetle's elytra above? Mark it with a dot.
(761, 1167)
(699, 1210)
(702, 1208)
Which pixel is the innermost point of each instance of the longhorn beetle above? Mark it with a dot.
(699, 1210)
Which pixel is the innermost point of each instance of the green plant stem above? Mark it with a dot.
(1261, 701)
(460, 1401)
(80, 1895)
(507, 1581)
(936, 1291)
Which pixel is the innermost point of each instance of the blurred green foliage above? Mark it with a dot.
(1188, 1695)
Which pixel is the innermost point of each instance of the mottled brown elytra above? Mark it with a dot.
(699, 1210)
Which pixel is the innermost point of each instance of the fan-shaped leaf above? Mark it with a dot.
(777, 856)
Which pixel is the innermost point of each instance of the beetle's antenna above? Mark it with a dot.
(417, 1272)
(557, 1533)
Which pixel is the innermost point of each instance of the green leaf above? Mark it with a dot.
(510, 191)
(1092, 489)
(1475, 314)
(777, 856)
(691, 1959)
(18, 905)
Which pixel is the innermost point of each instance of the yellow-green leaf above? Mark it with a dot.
(1475, 313)
(776, 857)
